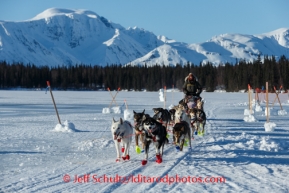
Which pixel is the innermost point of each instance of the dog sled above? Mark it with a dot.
(191, 102)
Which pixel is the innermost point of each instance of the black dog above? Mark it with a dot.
(155, 132)
(172, 112)
(163, 116)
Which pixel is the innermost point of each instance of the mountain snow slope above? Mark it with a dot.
(68, 37)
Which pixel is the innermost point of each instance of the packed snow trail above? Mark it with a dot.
(35, 158)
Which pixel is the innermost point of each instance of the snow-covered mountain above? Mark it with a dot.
(69, 37)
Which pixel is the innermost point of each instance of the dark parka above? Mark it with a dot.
(192, 88)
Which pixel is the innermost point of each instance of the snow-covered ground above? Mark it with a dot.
(36, 156)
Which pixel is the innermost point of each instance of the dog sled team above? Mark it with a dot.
(184, 121)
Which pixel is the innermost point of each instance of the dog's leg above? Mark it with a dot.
(124, 146)
(129, 144)
(162, 148)
(203, 129)
(147, 145)
(193, 129)
(156, 144)
(142, 142)
(158, 155)
(166, 125)
(165, 140)
(136, 137)
(182, 144)
(117, 147)
(198, 126)
(126, 151)
(137, 148)
(190, 139)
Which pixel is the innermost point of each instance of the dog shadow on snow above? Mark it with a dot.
(20, 152)
(245, 157)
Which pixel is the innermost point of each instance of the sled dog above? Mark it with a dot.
(181, 115)
(200, 104)
(137, 117)
(122, 132)
(198, 120)
(163, 116)
(153, 132)
(181, 131)
(172, 112)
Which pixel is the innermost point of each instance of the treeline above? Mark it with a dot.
(231, 77)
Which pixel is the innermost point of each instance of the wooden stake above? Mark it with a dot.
(278, 98)
(258, 100)
(267, 99)
(250, 104)
(113, 97)
(48, 84)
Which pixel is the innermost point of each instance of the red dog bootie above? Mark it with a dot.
(127, 157)
(159, 159)
(117, 160)
(122, 149)
(144, 162)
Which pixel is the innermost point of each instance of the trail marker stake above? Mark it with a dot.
(267, 99)
(276, 92)
(257, 96)
(250, 104)
(113, 97)
(48, 84)
(269, 127)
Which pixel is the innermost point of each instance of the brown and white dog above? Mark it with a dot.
(137, 117)
(198, 120)
(181, 115)
(200, 104)
(181, 131)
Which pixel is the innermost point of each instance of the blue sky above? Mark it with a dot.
(190, 21)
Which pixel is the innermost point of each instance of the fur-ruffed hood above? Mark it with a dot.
(193, 76)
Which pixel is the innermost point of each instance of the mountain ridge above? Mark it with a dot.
(68, 37)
